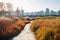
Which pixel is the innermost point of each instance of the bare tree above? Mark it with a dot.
(1, 8)
(9, 7)
(1, 5)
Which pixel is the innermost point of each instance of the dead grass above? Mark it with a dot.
(41, 27)
(10, 27)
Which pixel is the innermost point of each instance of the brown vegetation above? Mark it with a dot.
(47, 28)
(10, 27)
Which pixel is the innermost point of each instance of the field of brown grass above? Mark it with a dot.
(10, 27)
(46, 28)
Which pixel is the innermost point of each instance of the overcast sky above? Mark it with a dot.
(34, 5)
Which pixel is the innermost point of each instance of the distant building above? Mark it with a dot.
(59, 12)
(47, 11)
(42, 13)
(53, 13)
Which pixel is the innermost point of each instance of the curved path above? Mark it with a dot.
(26, 34)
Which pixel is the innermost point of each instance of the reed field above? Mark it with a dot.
(46, 28)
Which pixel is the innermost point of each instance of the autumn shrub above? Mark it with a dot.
(26, 21)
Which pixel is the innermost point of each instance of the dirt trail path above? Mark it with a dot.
(26, 34)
